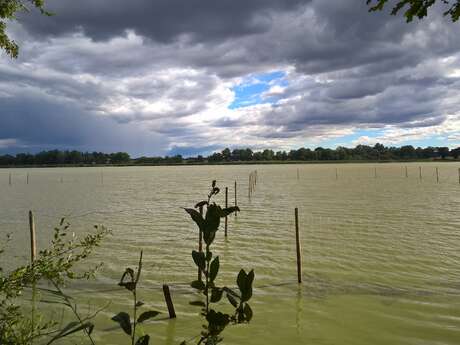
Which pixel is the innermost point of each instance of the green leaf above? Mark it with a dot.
(226, 211)
(232, 300)
(144, 340)
(214, 269)
(212, 220)
(198, 303)
(198, 284)
(147, 315)
(247, 312)
(216, 295)
(139, 304)
(199, 259)
(71, 328)
(124, 321)
(196, 216)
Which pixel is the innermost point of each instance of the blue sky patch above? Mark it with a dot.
(250, 91)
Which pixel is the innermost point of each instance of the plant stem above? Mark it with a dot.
(133, 335)
(74, 310)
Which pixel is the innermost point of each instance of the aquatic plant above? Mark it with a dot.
(217, 321)
(129, 281)
(56, 266)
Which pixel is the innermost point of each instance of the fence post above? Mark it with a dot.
(226, 206)
(298, 247)
(169, 302)
(236, 200)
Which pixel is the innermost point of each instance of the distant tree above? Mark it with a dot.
(443, 152)
(455, 152)
(8, 10)
(417, 8)
(226, 154)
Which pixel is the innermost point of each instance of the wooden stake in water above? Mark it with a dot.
(420, 173)
(298, 248)
(458, 175)
(27, 178)
(375, 172)
(407, 175)
(236, 200)
(336, 174)
(437, 175)
(9, 179)
(102, 177)
(33, 243)
(226, 206)
(169, 302)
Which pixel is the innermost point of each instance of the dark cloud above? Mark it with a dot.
(131, 73)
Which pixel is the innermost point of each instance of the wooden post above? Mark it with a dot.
(249, 187)
(236, 200)
(33, 242)
(102, 177)
(420, 173)
(226, 206)
(27, 178)
(407, 175)
(458, 175)
(297, 239)
(9, 179)
(200, 244)
(375, 172)
(437, 175)
(169, 303)
(336, 174)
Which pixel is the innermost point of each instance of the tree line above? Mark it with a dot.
(359, 153)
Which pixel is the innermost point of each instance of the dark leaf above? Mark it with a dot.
(198, 284)
(144, 340)
(147, 315)
(139, 304)
(214, 269)
(232, 300)
(124, 322)
(213, 183)
(226, 211)
(216, 295)
(196, 216)
(199, 259)
(247, 312)
(198, 303)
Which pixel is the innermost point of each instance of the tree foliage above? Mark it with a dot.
(417, 8)
(8, 11)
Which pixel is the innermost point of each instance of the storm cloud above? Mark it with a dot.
(156, 77)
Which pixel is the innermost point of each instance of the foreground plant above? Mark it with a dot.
(217, 321)
(56, 266)
(129, 281)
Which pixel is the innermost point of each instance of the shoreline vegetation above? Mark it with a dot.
(360, 154)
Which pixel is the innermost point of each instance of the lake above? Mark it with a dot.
(381, 251)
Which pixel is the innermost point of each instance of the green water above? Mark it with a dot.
(381, 255)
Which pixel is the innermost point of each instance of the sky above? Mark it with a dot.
(163, 77)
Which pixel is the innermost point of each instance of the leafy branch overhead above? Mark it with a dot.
(8, 11)
(217, 321)
(417, 8)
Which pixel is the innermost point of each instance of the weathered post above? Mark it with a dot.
(458, 175)
(236, 200)
(169, 302)
(226, 206)
(27, 178)
(407, 175)
(298, 248)
(437, 175)
(336, 174)
(375, 172)
(9, 179)
(420, 173)
(33, 242)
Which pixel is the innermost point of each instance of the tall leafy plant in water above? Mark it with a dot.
(129, 281)
(217, 321)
